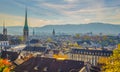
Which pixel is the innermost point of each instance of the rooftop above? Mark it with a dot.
(3, 37)
(39, 64)
(91, 52)
(9, 55)
(34, 48)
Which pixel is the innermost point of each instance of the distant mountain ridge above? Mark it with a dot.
(95, 28)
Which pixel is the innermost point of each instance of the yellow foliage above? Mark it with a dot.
(113, 63)
(60, 57)
(103, 60)
(49, 40)
(118, 46)
(77, 35)
(104, 37)
(5, 65)
(6, 69)
(86, 37)
(21, 38)
(75, 45)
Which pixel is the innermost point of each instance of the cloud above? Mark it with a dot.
(87, 20)
(12, 20)
(75, 7)
(57, 6)
(45, 12)
(71, 1)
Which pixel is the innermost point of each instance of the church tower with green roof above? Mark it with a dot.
(26, 28)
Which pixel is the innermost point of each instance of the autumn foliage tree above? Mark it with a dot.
(5, 65)
(113, 63)
(49, 40)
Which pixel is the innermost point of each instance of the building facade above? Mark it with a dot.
(4, 43)
(91, 56)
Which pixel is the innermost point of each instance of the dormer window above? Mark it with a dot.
(59, 70)
(45, 69)
(25, 71)
(36, 68)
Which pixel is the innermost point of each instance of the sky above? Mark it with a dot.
(57, 12)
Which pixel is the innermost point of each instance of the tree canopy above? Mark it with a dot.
(113, 62)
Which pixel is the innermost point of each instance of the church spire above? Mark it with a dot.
(33, 32)
(26, 28)
(3, 24)
(26, 23)
(53, 32)
(4, 29)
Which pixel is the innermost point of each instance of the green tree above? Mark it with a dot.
(77, 35)
(49, 40)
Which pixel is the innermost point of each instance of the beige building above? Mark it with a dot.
(91, 56)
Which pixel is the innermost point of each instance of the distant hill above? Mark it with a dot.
(96, 28)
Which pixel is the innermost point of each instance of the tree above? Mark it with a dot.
(5, 65)
(102, 61)
(49, 40)
(104, 37)
(21, 38)
(77, 36)
(113, 63)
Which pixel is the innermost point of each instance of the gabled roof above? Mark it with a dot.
(34, 41)
(92, 52)
(84, 41)
(35, 48)
(38, 64)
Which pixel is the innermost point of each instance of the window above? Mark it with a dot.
(45, 69)
(36, 68)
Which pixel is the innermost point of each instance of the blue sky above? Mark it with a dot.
(46, 12)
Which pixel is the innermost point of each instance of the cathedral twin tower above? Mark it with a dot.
(26, 28)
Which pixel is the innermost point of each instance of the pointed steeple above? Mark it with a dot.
(53, 32)
(26, 28)
(4, 29)
(26, 23)
(3, 24)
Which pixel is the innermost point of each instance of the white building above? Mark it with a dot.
(4, 43)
